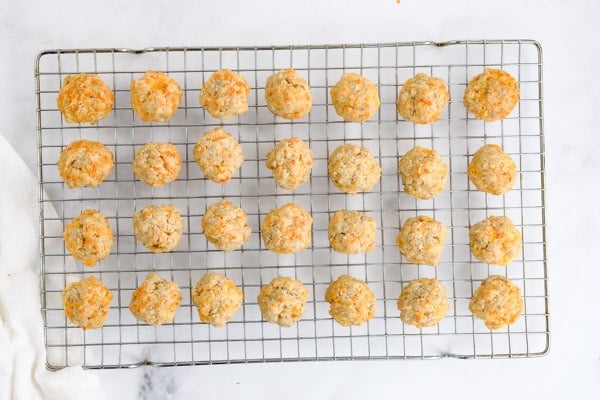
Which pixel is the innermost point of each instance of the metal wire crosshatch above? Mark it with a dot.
(124, 342)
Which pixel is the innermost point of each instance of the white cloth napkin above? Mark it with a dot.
(23, 374)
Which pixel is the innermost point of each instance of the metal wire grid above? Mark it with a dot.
(124, 342)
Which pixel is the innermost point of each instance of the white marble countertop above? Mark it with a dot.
(568, 32)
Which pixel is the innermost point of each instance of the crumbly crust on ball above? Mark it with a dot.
(287, 94)
(491, 95)
(88, 237)
(287, 229)
(282, 301)
(226, 226)
(155, 96)
(157, 163)
(218, 155)
(495, 240)
(291, 162)
(355, 98)
(353, 169)
(156, 300)
(217, 299)
(351, 300)
(225, 94)
(87, 302)
(423, 303)
(497, 302)
(424, 173)
(492, 170)
(422, 99)
(84, 98)
(85, 163)
(158, 228)
(352, 232)
(421, 240)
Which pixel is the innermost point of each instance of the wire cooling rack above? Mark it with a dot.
(124, 342)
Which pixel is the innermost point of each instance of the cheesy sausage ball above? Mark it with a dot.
(355, 98)
(495, 240)
(226, 226)
(287, 94)
(421, 240)
(217, 299)
(497, 302)
(491, 170)
(351, 300)
(353, 169)
(282, 301)
(424, 173)
(218, 155)
(291, 162)
(87, 302)
(155, 97)
(158, 228)
(85, 98)
(423, 303)
(156, 300)
(422, 99)
(287, 229)
(225, 94)
(352, 232)
(88, 237)
(85, 163)
(157, 163)
(491, 95)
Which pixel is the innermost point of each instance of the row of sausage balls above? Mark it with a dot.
(422, 303)
(155, 97)
(351, 168)
(287, 230)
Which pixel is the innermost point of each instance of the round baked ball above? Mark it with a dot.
(218, 155)
(88, 237)
(491, 95)
(352, 232)
(495, 240)
(282, 301)
(158, 228)
(155, 301)
(423, 172)
(226, 226)
(287, 94)
(421, 240)
(84, 98)
(155, 97)
(85, 163)
(291, 162)
(423, 302)
(287, 229)
(351, 301)
(353, 169)
(491, 170)
(157, 163)
(225, 94)
(355, 98)
(87, 302)
(216, 298)
(497, 302)
(422, 99)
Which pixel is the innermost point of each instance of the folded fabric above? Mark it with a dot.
(23, 374)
